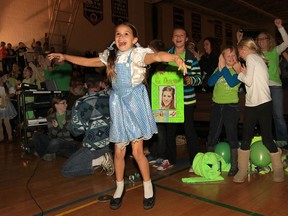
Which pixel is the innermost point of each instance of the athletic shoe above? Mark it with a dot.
(150, 159)
(165, 165)
(158, 162)
(108, 164)
(191, 170)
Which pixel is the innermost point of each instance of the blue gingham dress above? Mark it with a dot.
(130, 108)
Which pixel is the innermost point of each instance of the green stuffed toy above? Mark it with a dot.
(209, 166)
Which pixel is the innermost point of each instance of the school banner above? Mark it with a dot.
(167, 97)
(119, 11)
(93, 11)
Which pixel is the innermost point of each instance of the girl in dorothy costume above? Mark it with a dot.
(131, 115)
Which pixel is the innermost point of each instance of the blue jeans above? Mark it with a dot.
(226, 115)
(44, 144)
(80, 163)
(278, 113)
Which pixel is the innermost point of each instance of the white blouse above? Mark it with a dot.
(256, 81)
(138, 66)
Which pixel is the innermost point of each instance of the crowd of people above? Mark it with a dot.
(116, 108)
(24, 65)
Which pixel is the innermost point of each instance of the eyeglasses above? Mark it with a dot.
(262, 39)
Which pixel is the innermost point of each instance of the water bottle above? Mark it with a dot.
(134, 177)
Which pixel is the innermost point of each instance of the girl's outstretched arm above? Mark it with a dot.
(88, 62)
(165, 57)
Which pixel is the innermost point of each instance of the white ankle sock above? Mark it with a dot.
(119, 189)
(148, 189)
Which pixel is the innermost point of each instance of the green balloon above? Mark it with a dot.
(259, 154)
(223, 149)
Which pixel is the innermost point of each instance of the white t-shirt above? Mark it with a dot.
(256, 81)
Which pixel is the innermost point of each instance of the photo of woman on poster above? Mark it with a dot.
(168, 97)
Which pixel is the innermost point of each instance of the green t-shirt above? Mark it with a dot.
(61, 74)
(12, 82)
(223, 93)
(60, 119)
(273, 65)
(172, 66)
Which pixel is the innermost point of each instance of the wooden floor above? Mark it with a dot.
(28, 185)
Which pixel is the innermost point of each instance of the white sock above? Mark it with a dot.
(148, 189)
(98, 161)
(119, 189)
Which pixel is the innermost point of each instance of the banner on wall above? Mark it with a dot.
(93, 11)
(196, 27)
(178, 17)
(167, 97)
(119, 11)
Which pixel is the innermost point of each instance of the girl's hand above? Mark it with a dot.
(197, 55)
(188, 80)
(278, 23)
(237, 67)
(239, 36)
(181, 65)
(59, 56)
(221, 62)
(54, 123)
(243, 69)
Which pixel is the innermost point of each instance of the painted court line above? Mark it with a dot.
(156, 177)
(208, 201)
(90, 203)
(99, 194)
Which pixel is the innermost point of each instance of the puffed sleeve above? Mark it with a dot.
(139, 55)
(104, 56)
(138, 66)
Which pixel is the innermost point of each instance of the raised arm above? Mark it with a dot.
(165, 57)
(36, 73)
(88, 62)
(283, 46)
(239, 35)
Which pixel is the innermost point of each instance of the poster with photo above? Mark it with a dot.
(167, 97)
